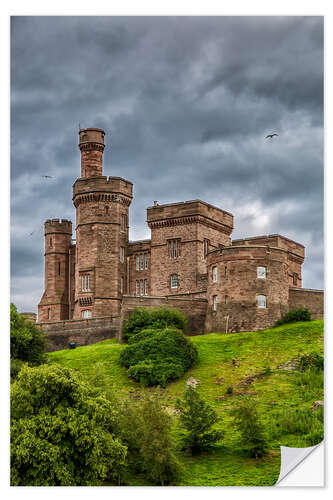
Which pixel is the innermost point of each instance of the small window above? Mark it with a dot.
(85, 282)
(214, 302)
(174, 248)
(50, 242)
(59, 268)
(295, 279)
(226, 299)
(122, 254)
(215, 274)
(49, 313)
(137, 287)
(141, 287)
(141, 262)
(123, 222)
(107, 210)
(121, 285)
(137, 267)
(206, 247)
(261, 272)
(146, 287)
(86, 314)
(174, 281)
(261, 301)
(146, 261)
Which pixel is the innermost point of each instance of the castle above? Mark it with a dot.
(190, 262)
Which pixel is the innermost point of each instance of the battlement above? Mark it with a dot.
(97, 186)
(189, 212)
(58, 226)
(273, 240)
(91, 136)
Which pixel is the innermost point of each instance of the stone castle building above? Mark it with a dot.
(190, 263)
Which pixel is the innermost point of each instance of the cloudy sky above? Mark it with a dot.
(186, 103)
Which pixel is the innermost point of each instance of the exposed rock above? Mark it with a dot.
(192, 381)
(291, 364)
(219, 380)
(317, 404)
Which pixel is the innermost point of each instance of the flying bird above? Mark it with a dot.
(31, 233)
(271, 136)
(48, 176)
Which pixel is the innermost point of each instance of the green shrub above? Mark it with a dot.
(311, 361)
(62, 434)
(162, 318)
(294, 315)
(146, 431)
(15, 367)
(197, 419)
(144, 334)
(160, 358)
(304, 422)
(27, 342)
(253, 436)
(229, 390)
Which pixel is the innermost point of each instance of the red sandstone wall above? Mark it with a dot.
(194, 309)
(312, 299)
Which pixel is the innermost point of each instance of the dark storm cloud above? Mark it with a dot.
(186, 104)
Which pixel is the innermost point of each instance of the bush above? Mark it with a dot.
(294, 315)
(27, 342)
(15, 367)
(162, 318)
(143, 335)
(311, 361)
(197, 419)
(160, 358)
(61, 432)
(146, 431)
(304, 422)
(253, 437)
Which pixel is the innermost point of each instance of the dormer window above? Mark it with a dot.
(261, 272)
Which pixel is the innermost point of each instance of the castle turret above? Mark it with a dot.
(102, 206)
(54, 305)
(91, 146)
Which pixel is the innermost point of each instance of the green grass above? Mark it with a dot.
(278, 394)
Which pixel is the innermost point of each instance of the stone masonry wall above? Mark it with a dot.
(194, 309)
(82, 332)
(312, 299)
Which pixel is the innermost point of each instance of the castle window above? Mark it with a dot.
(206, 247)
(146, 261)
(261, 300)
(174, 281)
(122, 254)
(141, 262)
(59, 268)
(123, 221)
(85, 282)
(50, 242)
(141, 287)
(86, 314)
(121, 285)
(261, 272)
(137, 267)
(215, 274)
(295, 278)
(146, 287)
(137, 287)
(214, 302)
(226, 299)
(49, 313)
(174, 248)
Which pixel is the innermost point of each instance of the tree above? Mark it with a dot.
(62, 433)
(27, 342)
(197, 418)
(146, 430)
(253, 437)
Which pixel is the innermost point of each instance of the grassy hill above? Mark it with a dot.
(248, 363)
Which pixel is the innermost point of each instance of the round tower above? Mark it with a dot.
(54, 305)
(247, 287)
(91, 145)
(102, 210)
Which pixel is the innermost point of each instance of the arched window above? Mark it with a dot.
(261, 301)
(261, 272)
(86, 314)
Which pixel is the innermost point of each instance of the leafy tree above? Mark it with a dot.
(146, 430)
(159, 358)
(61, 432)
(161, 318)
(27, 342)
(253, 437)
(197, 419)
